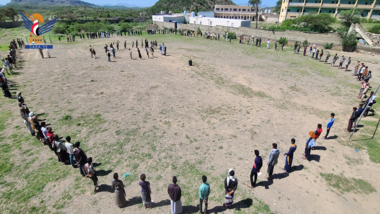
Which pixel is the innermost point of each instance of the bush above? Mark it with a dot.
(305, 43)
(283, 40)
(315, 23)
(375, 29)
(349, 42)
(328, 45)
(199, 31)
(231, 35)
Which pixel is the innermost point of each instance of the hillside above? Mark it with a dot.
(50, 2)
(186, 5)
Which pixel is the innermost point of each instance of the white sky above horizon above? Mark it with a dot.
(148, 3)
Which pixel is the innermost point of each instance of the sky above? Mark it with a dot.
(147, 3)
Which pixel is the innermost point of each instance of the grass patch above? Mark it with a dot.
(343, 184)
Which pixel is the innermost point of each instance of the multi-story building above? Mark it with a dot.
(235, 12)
(291, 9)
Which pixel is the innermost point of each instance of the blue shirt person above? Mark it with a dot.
(330, 124)
(204, 192)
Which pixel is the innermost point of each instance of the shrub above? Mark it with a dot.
(349, 42)
(375, 29)
(305, 43)
(316, 23)
(232, 35)
(328, 45)
(199, 31)
(283, 40)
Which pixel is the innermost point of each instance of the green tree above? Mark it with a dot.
(349, 42)
(277, 8)
(349, 17)
(10, 13)
(255, 3)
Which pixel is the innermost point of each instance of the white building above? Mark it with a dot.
(209, 21)
(180, 18)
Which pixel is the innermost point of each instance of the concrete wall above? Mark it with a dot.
(207, 21)
(206, 14)
(314, 38)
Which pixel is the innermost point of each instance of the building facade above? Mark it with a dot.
(180, 18)
(235, 12)
(291, 9)
(209, 21)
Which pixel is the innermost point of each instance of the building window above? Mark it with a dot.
(298, 10)
(217, 9)
(200, 22)
(235, 9)
(282, 10)
(248, 10)
(332, 2)
(244, 10)
(288, 10)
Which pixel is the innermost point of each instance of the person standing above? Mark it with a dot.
(352, 119)
(268, 43)
(70, 150)
(91, 173)
(304, 51)
(204, 192)
(145, 192)
(356, 68)
(334, 60)
(164, 47)
(41, 53)
(125, 44)
(118, 186)
(175, 194)
(310, 143)
(272, 160)
(364, 84)
(321, 55)
(327, 57)
(130, 54)
(152, 51)
(282, 46)
(147, 51)
(368, 76)
(138, 51)
(313, 53)
(255, 169)
(260, 42)
(317, 54)
(341, 62)
(275, 45)
(106, 48)
(369, 103)
(362, 69)
(348, 63)
(298, 49)
(289, 155)
(92, 54)
(109, 56)
(80, 157)
(230, 187)
(330, 124)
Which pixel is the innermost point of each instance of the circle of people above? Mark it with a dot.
(69, 153)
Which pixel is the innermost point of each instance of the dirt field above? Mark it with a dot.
(162, 117)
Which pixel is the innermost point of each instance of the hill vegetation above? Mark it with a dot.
(50, 2)
(178, 6)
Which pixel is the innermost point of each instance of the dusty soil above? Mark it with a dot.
(162, 117)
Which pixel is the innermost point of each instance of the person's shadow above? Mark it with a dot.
(320, 148)
(105, 188)
(162, 203)
(296, 168)
(315, 157)
(280, 175)
(133, 201)
(332, 137)
(190, 209)
(265, 184)
(103, 172)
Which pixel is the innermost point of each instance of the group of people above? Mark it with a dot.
(113, 47)
(9, 63)
(72, 154)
